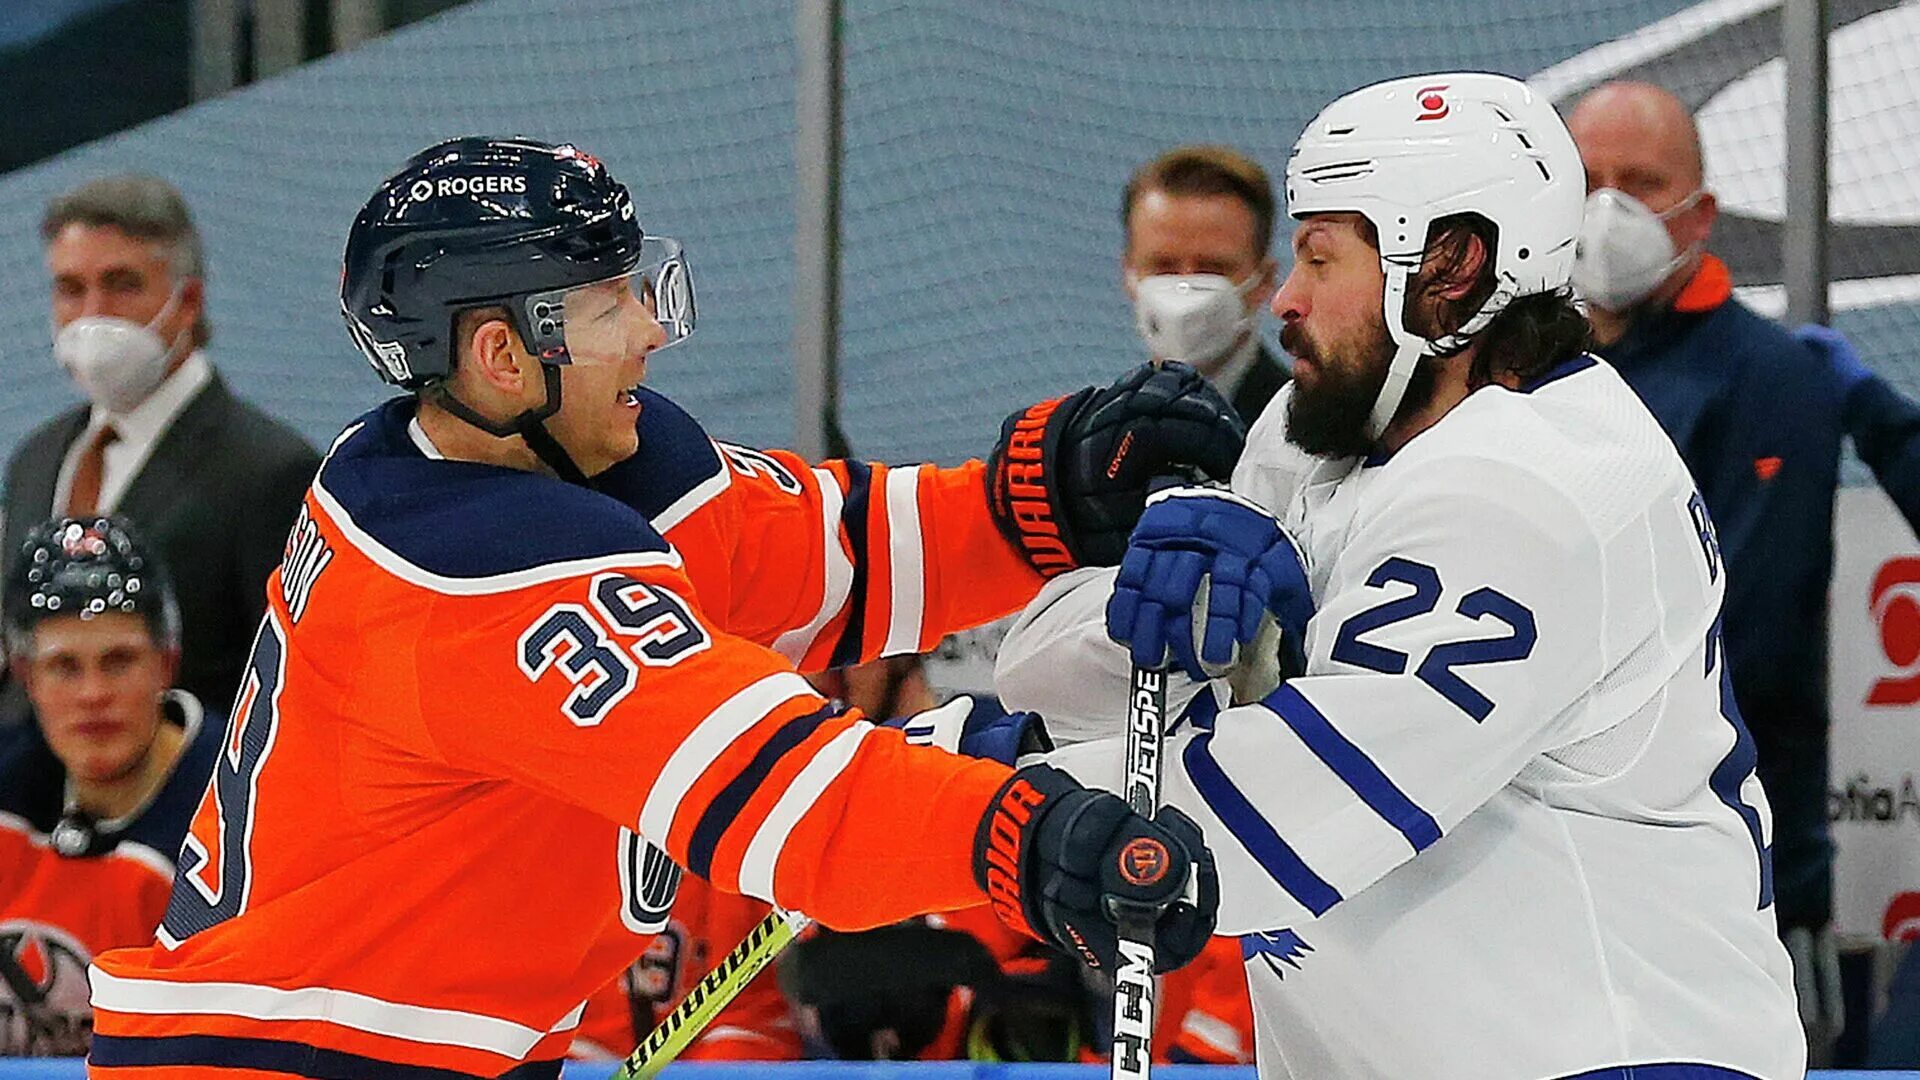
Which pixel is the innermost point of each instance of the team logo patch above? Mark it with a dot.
(43, 991)
(1144, 861)
(1274, 948)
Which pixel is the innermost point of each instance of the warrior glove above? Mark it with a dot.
(1069, 476)
(1059, 862)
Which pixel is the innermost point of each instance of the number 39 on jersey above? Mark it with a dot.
(599, 646)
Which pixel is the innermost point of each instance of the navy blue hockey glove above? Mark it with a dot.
(977, 728)
(1057, 860)
(1069, 476)
(1207, 557)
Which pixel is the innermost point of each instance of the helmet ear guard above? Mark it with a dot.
(1409, 152)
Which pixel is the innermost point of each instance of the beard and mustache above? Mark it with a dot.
(1329, 418)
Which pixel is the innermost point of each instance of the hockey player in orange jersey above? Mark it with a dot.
(101, 780)
(531, 613)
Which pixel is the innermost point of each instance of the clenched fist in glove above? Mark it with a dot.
(1069, 476)
(1058, 860)
(1204, 572)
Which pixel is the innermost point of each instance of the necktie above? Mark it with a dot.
(84, 497)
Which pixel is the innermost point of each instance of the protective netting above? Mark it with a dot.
(691, 103)
(986, 146)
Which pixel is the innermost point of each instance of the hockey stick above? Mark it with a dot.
(712, 994)
(1133, 975)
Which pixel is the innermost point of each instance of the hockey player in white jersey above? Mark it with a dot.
(1504, 824)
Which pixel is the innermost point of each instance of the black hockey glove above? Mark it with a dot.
(1069, 476)
(1056, 861)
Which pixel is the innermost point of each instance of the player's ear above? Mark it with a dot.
(492, 351)
(193, 297)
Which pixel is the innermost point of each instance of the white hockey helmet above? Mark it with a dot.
(1407, 152)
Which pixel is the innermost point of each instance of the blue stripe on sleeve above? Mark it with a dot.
(726, 806)
(1254, 833)
(853, 515)
(1354, 768)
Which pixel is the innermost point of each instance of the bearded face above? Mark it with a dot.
(1335, 388)
(1333, 327)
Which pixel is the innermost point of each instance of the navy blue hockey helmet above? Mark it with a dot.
(87, 567)
(476, 222)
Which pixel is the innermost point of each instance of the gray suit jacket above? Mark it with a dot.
(215, 501)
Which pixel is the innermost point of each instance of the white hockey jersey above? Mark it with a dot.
(1506, 826)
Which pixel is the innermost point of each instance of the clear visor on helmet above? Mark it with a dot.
(617, 318)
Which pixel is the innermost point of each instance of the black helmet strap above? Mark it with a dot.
(529, 425)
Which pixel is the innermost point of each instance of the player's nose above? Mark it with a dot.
(1289, 301)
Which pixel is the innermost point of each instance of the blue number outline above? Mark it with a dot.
(540, 648)
(1347, 646)
(251, 733)
(666, 630)
(1437, 669)
(1741, 762)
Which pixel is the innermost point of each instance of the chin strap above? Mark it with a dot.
(529, 425)
(1410, 348)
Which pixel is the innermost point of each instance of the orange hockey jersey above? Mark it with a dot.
(55, 913)
(475, 688)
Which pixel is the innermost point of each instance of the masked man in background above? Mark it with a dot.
(1199, 221)
(211, 482)
(1757, 417)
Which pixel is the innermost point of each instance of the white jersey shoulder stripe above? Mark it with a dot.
(839, 573)
(361, 1012)
(391, 562)
(700, 495)
(709, 739)
(125, 850)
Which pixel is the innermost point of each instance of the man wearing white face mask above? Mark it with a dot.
(1198, 221)
(1757, 416)
(211, 481)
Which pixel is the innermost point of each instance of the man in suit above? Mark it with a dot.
(1199, 222)
(212, 482)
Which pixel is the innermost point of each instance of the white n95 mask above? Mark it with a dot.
(1624, 252)
(1193, 318)
(115, 361)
